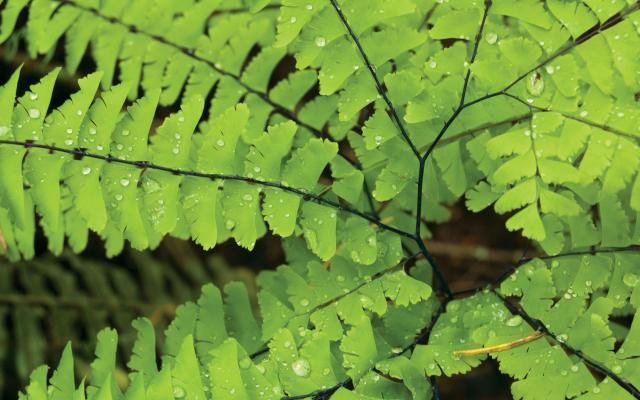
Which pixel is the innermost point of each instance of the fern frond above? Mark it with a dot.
(87, 167)
(570, 300)
(217, 346)
(49, 301)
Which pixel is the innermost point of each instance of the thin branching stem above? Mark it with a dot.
(523, 260)
(400, 126)
(372, 69)
(540, 327)
(613, 21)
(574, 118)
(286, 112)
(279, 108)
(307, 196)
(465, 85)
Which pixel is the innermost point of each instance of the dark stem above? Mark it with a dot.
(306, 196)
(523, 260)
(380, 89)
(540, 327)
(572, 117)
(280, 109)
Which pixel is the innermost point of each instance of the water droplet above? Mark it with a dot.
(118, 197)
(86, 170)
(550, 69)
(99, 147)
(33, 96)
(69, 131)
(247, 197)
(321, 41)
(293, 20)
(68, 142)
(125, 132)
(617, 369)
(309, 7)
(230, 224)
(178, 392)
(396, 350)
(301, 367)
(535, 84)
(124, 182)
(245, 363)
(630, 279)
(79, 112)
(304, 302)
(433, 64)
(574, 368)
(514, 321)
(220, 142)
(492, 37)
(34, 113)
(176, 150)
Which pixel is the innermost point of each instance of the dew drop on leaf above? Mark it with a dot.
(535, 84)
(514, 321)
(34, 113)
(245, 363)
(630, 279)
(321, 41)
(301, 367)
(86, 170)
(178, 392)
(491, 38)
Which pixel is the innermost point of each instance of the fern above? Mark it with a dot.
(48, 301)
(239, 356)
(527, 106)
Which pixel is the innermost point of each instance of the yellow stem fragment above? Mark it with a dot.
(499, 347)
